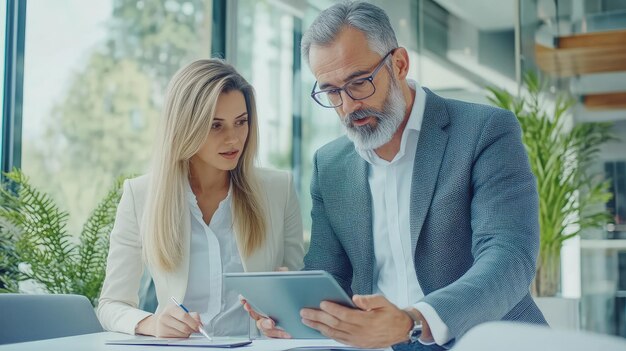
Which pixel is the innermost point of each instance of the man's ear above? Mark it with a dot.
(400, 59)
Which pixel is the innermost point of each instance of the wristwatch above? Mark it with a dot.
(416, 331)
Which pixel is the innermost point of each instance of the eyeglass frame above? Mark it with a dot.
(369, 78)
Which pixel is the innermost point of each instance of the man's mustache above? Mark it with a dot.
(360, 114)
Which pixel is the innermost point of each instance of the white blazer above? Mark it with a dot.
(117, 307)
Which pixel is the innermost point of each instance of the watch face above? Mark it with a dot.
(415, 333)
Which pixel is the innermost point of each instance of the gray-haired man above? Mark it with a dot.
(427, 211)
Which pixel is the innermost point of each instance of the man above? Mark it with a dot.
(427, 211)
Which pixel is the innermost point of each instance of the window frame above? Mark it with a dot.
(13, 85)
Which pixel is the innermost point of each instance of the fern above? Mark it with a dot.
(55, 260)
(8, 260)
(94, 245)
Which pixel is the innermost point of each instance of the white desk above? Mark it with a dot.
(493, 336)
(96, 342)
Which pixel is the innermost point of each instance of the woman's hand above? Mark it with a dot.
(172, 322)
(265, 325)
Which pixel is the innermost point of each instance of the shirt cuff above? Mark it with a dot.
(438, 328)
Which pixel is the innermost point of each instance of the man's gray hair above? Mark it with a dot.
(367, 18)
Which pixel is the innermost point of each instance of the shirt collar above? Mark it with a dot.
(413, 124)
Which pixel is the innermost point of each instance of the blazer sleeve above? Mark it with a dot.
(117, 308)
(294, 246)
(505, 231)
(326, 251)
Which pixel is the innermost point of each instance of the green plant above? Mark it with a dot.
(9, 261)
(33, 232)
(571, 197)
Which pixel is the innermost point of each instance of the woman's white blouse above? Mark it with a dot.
(214, 252)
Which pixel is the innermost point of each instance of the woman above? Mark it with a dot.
(203, 210)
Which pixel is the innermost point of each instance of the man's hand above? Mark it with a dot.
(376, 324)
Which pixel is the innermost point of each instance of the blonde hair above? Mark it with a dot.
(187, 116)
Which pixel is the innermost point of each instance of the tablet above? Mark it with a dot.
(281, 296)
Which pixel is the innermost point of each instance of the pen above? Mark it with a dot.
(186, 310)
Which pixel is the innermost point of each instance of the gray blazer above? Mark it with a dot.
(474, 216)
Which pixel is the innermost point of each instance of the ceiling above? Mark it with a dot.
(486, 15)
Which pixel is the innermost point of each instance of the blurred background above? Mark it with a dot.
(84, 83)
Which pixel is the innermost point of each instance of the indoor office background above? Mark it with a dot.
(84, 83)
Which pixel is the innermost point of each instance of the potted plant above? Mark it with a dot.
(571, 197)
(35, 245)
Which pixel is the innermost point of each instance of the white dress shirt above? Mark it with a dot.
(213, 252)
(390, 184)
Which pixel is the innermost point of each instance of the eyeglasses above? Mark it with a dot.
(356, 89)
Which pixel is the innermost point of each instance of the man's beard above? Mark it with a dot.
(386, 122)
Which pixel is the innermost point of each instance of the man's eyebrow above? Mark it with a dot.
(221, 119)
(353, 75)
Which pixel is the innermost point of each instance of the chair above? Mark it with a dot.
(510, 336)
(26, 317)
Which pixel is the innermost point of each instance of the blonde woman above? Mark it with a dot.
(203, 210)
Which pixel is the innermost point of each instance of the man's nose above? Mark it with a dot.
(349, 105)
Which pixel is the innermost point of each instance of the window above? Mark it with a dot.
(3, 17)
(93, 89)
(265, 54)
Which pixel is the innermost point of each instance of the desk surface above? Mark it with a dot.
(493, 336)
(96, 342)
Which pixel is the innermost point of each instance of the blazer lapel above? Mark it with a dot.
(428, 156)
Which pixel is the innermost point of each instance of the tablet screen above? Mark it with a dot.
(281, 296)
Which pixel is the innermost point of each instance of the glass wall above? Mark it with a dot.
(267, 54)
(319, 125)
(93, 89)
(456, 50)
(264, 55)
(3, 24)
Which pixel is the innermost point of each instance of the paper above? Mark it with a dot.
(193, 341)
